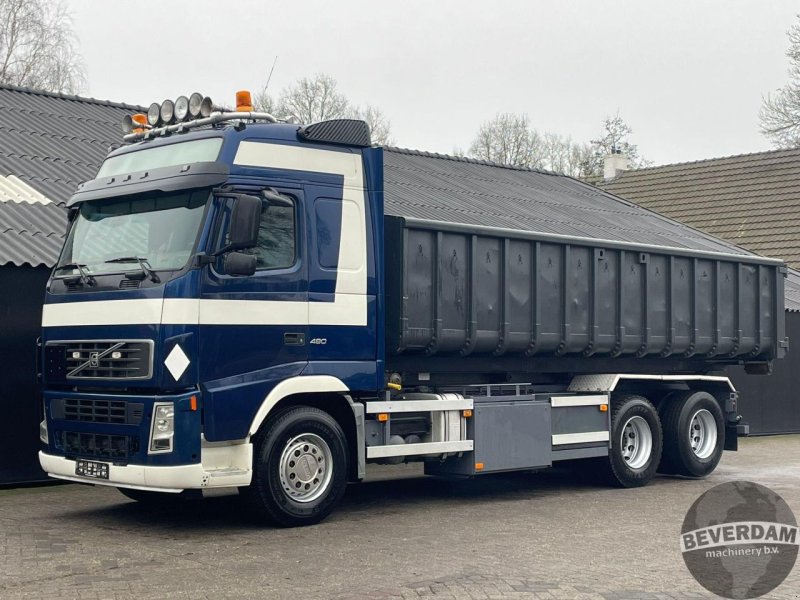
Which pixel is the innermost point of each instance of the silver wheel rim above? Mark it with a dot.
(306, 467)
(703, 433)
(636, 442)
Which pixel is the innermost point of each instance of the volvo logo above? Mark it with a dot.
(94, 359)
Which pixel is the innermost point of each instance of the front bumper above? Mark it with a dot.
(161, 479)
(224, 465)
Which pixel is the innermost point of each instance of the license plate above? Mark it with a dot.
(91, 468)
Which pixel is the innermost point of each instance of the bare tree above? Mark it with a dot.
(780, 113)
(507, 139)
(314, 99)
(379, 126)
(264, 102)
(318, 98)
(562, 155)
(614, 139)
(38, 46)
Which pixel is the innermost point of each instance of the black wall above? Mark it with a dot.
(21, 297)
(771, 403)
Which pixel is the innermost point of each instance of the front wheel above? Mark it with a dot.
(636, 442)
(299, 467)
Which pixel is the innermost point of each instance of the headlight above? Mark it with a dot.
(195, 103)
(167, 111)
(154, 114)
(181, 108)
(163, 428)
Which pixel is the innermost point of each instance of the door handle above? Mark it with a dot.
(294, 339)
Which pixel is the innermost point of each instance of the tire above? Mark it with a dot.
(149, 498)
(633, 463)
(300, 492)
(694, 434)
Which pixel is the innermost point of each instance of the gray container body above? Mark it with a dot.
(505, 298)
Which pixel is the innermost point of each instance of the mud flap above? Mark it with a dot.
(731, 437)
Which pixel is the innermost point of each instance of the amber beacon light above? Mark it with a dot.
(244, 101)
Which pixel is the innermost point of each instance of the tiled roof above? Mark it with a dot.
(31, 234)
(752, 200)
(49, 142)
(459, 190)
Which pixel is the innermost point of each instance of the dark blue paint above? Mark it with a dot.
(186, 442)
(233, 368)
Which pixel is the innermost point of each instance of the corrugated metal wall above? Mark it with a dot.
(771, 404)
(21, 297)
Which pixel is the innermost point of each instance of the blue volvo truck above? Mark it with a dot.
(246, 303)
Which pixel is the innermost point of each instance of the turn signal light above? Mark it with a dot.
(383, 417)
(479, 466)
(244, 101)
(467, 412)
(604, 408)
(193, 402)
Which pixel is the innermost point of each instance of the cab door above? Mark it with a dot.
(254, 329)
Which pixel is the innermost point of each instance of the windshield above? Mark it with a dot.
(161, 229)
(146, 159)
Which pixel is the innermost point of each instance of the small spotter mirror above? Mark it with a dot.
(275, 198)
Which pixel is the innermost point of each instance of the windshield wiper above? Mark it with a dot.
(143, 265)
(83, 276)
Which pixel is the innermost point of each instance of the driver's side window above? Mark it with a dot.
(277, 234)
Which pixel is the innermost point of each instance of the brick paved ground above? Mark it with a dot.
(400, 535)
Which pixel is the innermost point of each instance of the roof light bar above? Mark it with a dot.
(187, 113)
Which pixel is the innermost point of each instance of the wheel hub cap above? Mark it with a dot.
(306, 467)
(703, 433)
(636, 442)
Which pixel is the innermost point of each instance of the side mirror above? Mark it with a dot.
(245, 218)
(237, 263)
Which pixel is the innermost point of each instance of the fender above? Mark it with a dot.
(608, 382)
(309, 384)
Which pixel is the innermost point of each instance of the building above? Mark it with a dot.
(48, 144)
(753, 201)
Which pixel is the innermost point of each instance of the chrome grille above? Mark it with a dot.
(108, 359)
(98, 445)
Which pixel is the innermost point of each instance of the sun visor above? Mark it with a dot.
(164, 179)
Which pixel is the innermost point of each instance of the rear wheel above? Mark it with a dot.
(694, 434)
(299, 467)
(636, 442)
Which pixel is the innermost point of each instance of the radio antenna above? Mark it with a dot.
(271, 71)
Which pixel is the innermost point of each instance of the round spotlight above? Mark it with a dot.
(195, 101)
(153, 114)
(167, 111)
(181, 108)
(206, 107)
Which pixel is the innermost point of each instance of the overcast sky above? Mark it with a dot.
(687, 75)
